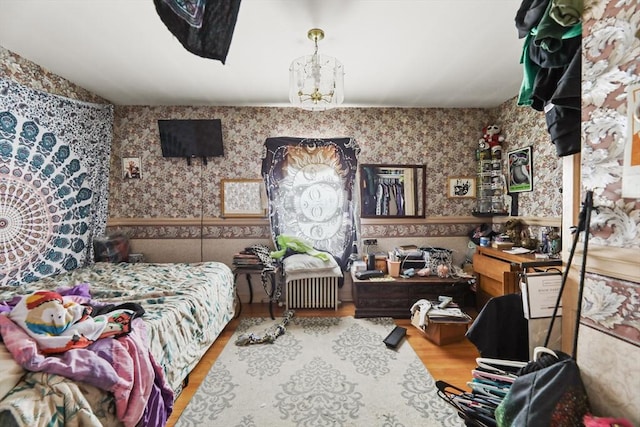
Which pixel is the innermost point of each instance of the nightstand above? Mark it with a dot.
(275, 285)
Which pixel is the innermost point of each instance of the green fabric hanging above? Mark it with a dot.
(298, 245)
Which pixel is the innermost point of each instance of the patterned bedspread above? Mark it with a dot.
(187, 305)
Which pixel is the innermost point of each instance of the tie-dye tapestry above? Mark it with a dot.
(54, 182)
(309, 184)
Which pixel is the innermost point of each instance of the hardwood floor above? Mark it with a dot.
(452, 362)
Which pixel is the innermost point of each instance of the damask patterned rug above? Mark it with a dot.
(322, 372)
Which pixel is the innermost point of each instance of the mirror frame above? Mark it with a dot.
(418, 190)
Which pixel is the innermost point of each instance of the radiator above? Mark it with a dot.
(317, 292)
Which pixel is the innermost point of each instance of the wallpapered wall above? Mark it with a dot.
(18, 69)
(609, 336)
(443, 139)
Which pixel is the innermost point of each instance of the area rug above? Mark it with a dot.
(323, 371)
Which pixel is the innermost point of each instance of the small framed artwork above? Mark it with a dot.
(520, 170)
(461, 187)
(131, 168)
(243, 198)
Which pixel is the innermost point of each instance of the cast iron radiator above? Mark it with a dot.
(316, 292)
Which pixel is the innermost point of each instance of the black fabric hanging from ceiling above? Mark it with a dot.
(204, 27)
(551, 59)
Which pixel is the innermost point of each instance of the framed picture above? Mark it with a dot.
(461, 187)
(520, 170)
(243, 198)
(131, 168)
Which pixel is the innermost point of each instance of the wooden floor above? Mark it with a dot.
(452, 362)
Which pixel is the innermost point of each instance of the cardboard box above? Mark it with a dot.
(440, 333)
(445, 333)
(540, 294)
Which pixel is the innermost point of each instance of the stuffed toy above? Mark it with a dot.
(491, 135)
(514, 228)
(46, 313)
(490, 145)
(57, 324)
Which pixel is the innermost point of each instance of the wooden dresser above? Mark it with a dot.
(497, 272)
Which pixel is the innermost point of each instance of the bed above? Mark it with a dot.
(186, 307)
(55, 154)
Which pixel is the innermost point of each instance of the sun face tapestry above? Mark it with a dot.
(309, 184)
(54, 175)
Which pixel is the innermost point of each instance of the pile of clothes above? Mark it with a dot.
(551, 60)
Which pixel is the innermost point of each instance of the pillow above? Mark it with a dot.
(303, 263)
(303, 266)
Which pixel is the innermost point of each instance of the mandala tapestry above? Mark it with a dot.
(54, 171)
(309, 184)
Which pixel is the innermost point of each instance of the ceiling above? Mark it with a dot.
(396, 53)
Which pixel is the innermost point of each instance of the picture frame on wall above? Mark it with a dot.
(461, 187)
(520, 170)
(131, 168)
(243, 198)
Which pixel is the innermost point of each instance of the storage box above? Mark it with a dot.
(540, 294)
(440, 333)
(445, 333)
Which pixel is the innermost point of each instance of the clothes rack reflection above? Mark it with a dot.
(392, 190)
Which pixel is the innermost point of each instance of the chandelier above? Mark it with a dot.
(316, 82)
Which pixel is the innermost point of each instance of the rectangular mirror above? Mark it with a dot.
(392, 191)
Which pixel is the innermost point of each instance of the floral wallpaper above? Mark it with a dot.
(389, 136)
(443, 139)
(611, 51)
(522, 130)
(609, 336)
(612, 306)
(18, 69)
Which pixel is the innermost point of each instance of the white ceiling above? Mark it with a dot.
(404, 53)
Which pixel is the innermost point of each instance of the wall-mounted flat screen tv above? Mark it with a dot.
(191, 138)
